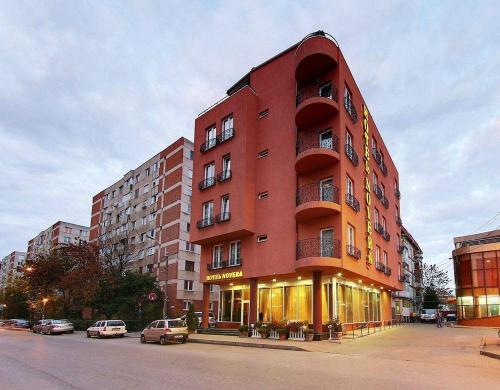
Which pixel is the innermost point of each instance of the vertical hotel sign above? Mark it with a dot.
(368, 195)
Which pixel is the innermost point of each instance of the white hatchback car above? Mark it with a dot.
(108, 328)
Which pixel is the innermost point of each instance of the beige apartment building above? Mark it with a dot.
(60, 233)
(10, 267)
(143, 220)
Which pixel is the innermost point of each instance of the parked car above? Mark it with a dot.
(451, 317)
(199, 314)
(108, 328)
(57, 327)
(17, 323)
(163, 331)
(428, 315)
(37, 328)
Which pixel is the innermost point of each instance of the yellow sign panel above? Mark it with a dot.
(368, 196)
(226, 275)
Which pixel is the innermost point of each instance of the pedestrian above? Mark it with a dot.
(438, 319)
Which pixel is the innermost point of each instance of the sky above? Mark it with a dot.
(90, 90)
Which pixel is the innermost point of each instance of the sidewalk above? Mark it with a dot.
(490, 346)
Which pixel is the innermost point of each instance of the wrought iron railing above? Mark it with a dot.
(223, 217)
(383, 168)
(353, 252)
(385, 202)
(378, 227)
(388, 270)
(314, 142)
(225, 135)
(377, 156)
(351, 154)
(208, 182)
(208, 144)
(353, 202)
(317, 90)
(316, 247)
(224, 175)
(351, 110)
(213, 142)
(378, 191)
(380, 266)
(205, 222)
(314, 192)
(235, 262)
(397, 193)
(386, 235)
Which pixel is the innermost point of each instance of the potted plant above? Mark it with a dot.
(243, 330)
(191, 319)
(308, 334)
(282, 332)
(335, 327)
(263, 331)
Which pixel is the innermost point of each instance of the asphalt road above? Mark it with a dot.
(406, 358)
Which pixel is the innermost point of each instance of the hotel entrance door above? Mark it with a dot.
(245, 313)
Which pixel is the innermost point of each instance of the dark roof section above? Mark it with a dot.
(410, 238)
(245, 80)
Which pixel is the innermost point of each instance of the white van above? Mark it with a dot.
(108, 328)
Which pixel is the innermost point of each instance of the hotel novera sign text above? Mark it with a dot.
(368, 195)
(226, 275)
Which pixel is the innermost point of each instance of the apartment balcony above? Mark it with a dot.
(386, 236)
(313, 201)
(211, 143)
(383, 168)
(224, 175)
(377, 156)
(237, 262)
(353, 202)
(207, 183)
(351, 154)
(385, 202)
(315, 253)
(378, 191)
(351, 110)
(223, 217)
(205, 222)
(315, 103)
(383, 268)
(314, 153)
(397, 193)
(353, 252)
(378, 228)
(315, 55)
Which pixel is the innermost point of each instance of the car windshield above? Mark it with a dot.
(429, 311)
(175, 324)
(60, 322)
(116, 323)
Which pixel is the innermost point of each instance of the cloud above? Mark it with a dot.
(90, 90)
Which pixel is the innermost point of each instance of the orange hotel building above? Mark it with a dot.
(295, 196)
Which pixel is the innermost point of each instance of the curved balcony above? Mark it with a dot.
(316, 54)
(314, 200)
(314, 153)
(316, 102)
(314, 253)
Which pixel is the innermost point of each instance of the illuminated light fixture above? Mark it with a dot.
(274, 280)
(360, 281)
(488, 261)
(371, 284)
(390, 290)
(299, 278)
(231, 284)
(339, 274)
(381, 288)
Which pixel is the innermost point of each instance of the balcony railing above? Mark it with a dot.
(316, 247)
(397, 193)
(386, 235)
(400, 249)
(351, 110)
(208, 182)
(224, 175)
(236, 262)
(352, 201)
(213, 142)
(378, 191)
(378, 228)
(353, 252)
(377, 156)
(351, 154)
(380, 267)
(313, 192)
(205, 222)
(223, 217)
(385, 202)
(314, 142)
(329, 92)
(383, 168)
(388, 270)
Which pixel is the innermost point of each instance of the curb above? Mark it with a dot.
(490, 354)
(250, 345)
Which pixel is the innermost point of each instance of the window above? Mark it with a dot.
(67, 239)
(263, 153)
(375, 215)
(377, 254)
(120, 189)
(348, 99)
(137, 178)
(348, 138)
(227, 127)
(143, 237)
(349, 186)
(234, 252)
(141, 254)
(147, 172)
(263, 195)
(143, 220)
(217, 256)
(188, 285)
(384, 223)
(224, 207)
(151, 250)
(375, 179)
(262, 238)
(326, 242)
(186, 304)
(189, 246)
(140, 270)
(146, 188)
(382, 188)
(188, 227)
(209, 171)
(351, 236)
(150, 268)
(326, 190)
(210, 137)
(152, 200)
(325, 139)
(211, 288)
(385, 258)
(226, 164)
(67, 230)
(326, 90)
(190, 173)
(191, 155)
(189, 266)
(208, 210)
(264, 113)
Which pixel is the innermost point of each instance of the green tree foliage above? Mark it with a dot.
(16, 300)
(431, 299)
(191, 318)
(435, 281)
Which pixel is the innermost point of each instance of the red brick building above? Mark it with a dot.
(147, 214)
(296, 197)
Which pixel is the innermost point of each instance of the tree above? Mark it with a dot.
(435, 282)
(15, 299)
(116, 251)
(191, 318)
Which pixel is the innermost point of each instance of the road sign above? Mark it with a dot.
(152, 296)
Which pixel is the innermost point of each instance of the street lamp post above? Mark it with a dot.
(44, 302)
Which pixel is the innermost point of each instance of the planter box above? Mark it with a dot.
(309, 336)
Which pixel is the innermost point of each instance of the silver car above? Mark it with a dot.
(57, 327)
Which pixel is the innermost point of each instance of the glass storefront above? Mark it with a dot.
(231, 304)
(285, 303)
(478, 285)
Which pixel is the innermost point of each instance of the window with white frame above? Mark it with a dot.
(377, 254)
(227, 127)
(208, 211)
(186, 304)
(188, 285)
(349, 186)
(348, 138)
(210, 137)
(351, 234)
(209, 171)
(375, 215)
(151, 250)
(217, 256)
(146, 188)
(234, 252)
(224, 207)
(385, 258)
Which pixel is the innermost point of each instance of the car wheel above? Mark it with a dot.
(162, 340)
(143, 339)
(184, 339)
(88, 335)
